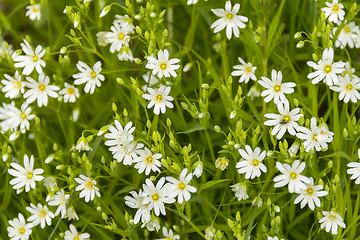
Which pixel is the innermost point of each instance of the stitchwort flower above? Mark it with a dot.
(88, 188)
(162, 66)
(291, 176)
(25, 176)
(159, 98)
(181, 187)
(229, 19)
(252, 165)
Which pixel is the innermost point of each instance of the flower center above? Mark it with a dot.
(155, 197)
(314, 137)
(327, 68)
(310, 191)
(30, 175)
(128, 20)
(42, 87)
(17, 84)
(229, 15)
(285, 119)
(149, 160)
(163, 66)
(121, 36)
(35, 58)
(349, 87)
(42, 213)
(23, 115)
(277, 88)
(158, 98)
(93, 74)
(335, 8)
(293, 175)
(255, 162)
(70, 91)
(89, 185)
(347, 29)
(248, 69)
(22, 231)
(181, 186)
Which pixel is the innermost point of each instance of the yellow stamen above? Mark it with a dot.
(335, 8)
(163, 66)
(159, 98)
(277, 88)
(121, 36)
(70, 91)
(293, 175)
(42, 87)
(310, 191)
(327, 68)
(229, 15)
(181, 186)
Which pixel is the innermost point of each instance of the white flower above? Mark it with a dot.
(21, 117)
(334, 11)
(253, 92)
(245, 70)
(125, 23)
(71, 214)
(147, 161)
(19, 229)
(348, 88)
(60, 200)
(160, 99)
(331, 221)
(88, 187)
(168, 235)
(13, 86)
(191, 2)
(162, 66)
(222, 163)
(317, 137)
(82, 145)
(31, 60)
(40, 215)
(181, 187)
(326, 69)
(33, 12)
(118, 38)
(310, 195)
(275, 88)
(291, 175)
(74, 235)
(157, 196)
(25, 176)
(229, 19)
(354, 169)
(127, 151)
(347, 36)
(143, 212)
(91, 77)
(240, 191)
(286, 120)
(252, 163)
(198, 169)
(40, 90)
(70, 93)
(118, 134)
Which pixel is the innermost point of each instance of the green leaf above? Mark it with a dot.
(212, 183)
(197, 127)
